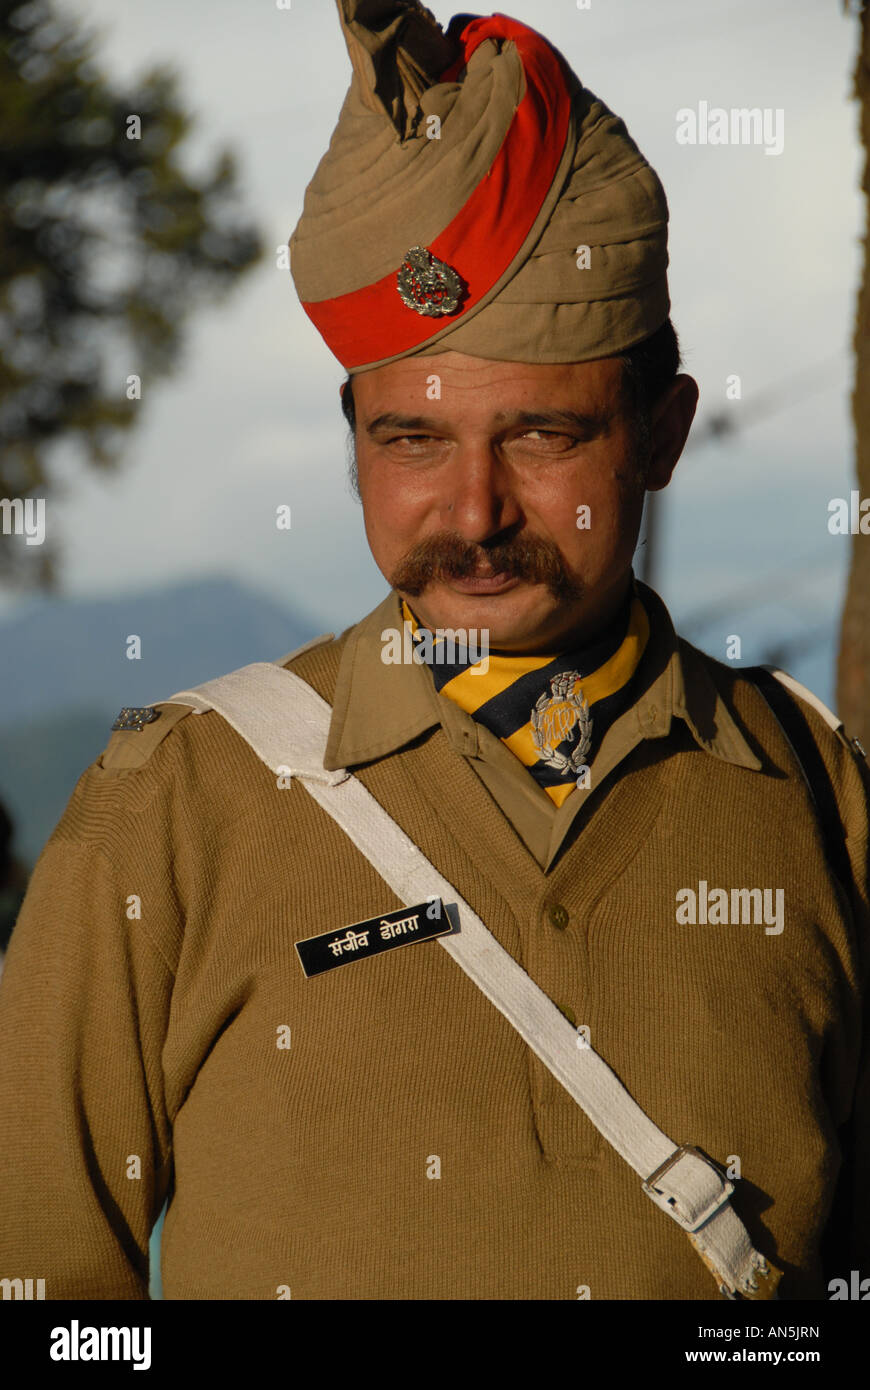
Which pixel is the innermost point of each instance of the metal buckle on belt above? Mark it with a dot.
(668, 1203)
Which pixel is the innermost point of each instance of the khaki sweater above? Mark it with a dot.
(407, 1144)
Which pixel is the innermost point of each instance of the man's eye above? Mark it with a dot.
(550, 436)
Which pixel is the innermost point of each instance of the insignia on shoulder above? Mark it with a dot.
(133, 719)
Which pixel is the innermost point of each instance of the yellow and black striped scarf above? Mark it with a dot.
(523, 702)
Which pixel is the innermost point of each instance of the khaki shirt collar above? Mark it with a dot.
(380, 707)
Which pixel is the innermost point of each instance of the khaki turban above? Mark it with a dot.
(475, 197)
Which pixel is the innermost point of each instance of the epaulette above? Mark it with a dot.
(832, 720)
(136, 733)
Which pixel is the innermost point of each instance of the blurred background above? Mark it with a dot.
(162, 389)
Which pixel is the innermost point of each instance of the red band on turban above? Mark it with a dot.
(479, 244)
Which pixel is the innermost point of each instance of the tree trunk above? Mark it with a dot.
(853, 669)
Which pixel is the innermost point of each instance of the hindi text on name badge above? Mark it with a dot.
(384, 933)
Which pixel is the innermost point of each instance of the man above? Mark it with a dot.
(203, 1000)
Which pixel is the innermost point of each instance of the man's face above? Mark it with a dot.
(474, 502)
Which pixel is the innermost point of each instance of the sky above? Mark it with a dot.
(764, 266)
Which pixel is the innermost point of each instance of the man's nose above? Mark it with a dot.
(479, 498)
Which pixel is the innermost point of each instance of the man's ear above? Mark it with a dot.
(670, 422)
(341, 389)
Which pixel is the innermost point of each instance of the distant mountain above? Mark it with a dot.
(64, 675)
(70, 654)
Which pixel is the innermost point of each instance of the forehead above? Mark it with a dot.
(451, 382)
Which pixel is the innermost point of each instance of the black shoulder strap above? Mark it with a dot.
(797, 732)
(836, 1245)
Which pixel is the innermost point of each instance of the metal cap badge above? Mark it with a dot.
(427, 285)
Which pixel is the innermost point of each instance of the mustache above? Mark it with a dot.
(446, 555)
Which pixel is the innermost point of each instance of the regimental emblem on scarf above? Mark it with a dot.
(428, 285)
(556, 717)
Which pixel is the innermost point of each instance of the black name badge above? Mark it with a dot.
(400, 928)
